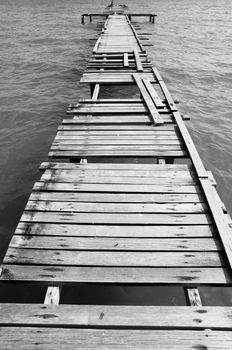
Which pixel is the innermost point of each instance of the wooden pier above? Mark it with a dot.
(124, 200)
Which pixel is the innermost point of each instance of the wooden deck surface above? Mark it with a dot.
(128, 203)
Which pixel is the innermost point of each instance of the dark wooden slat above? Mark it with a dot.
(150, 168)
(116, 218)
(155, 97)
(75, 207)
(116, 153)
(115, 197)
(79, 187)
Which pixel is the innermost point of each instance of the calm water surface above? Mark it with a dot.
(44, 50)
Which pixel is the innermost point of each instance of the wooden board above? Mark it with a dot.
(49, 229)
(115, 244)
(114, 258)
(54, 338)
(180, 317)
(132, 275)
(111, 78)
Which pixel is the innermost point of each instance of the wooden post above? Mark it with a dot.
(194, 297)
(161, 161)
(52, 296)
(96, 92)
(83, 19)
(90, 18)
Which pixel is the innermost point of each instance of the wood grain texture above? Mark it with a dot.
(112, 187)
(117, 316)
(96, 197)
(113, 258)
(117, 218)
(34, 338)
(142, 231)
(133, 275)
(117, 244)
(116, 207)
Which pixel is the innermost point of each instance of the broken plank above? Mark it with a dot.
(156, 118)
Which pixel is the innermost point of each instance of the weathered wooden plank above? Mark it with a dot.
(117, 109)
(76, 207)
(156, 118)
(73, 176)
(85, 118)
(113, 258)
(155, 97)
(97, 187)
(122, 244)
(125, 60)
(133, 129)
(117, 316)
(116, 218)
(132, 275)
(38, 229)
(147, 138)
(120, 166)
(116, 153)
(109, 78)
(122, 174)
(118, 147)
(117, 141)
(116, 197)
(65, 339)
(64, 169)
(82, 187)
(96, 92)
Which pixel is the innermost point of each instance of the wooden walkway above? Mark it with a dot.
(123, 200)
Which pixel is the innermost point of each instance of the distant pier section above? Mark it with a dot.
(130, 15)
